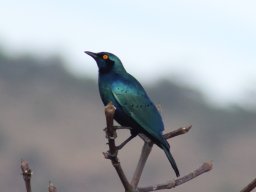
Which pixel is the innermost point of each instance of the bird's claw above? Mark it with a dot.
(109, 155)
(112, 137)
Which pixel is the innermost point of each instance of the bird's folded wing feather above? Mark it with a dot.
(136, 104)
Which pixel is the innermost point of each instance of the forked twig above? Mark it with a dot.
(147, 147)
(27, 174)
(112, 153)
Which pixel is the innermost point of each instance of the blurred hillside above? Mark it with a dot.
(55, 120)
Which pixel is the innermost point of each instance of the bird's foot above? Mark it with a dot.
(122, 127)
(109, 155)
(114, 136)
(119, 147)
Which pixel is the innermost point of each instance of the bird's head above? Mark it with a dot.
(107, 62)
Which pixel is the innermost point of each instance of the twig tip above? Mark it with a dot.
(110, 108)
(186, 129)
(207, 165)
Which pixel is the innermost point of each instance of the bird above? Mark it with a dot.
(133, 106)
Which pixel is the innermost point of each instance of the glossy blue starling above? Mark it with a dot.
(133, 106)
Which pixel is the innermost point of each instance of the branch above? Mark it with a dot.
(27, 174)
(112, 153)
(250, 186)
(177, 132)
(174, 183)
(147, 147)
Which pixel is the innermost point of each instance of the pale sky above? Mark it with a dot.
(208, 44)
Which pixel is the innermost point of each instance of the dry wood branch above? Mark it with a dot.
(112, 153)
(27, 174)
(147, 147)
(177, 132)
(174, 183)
(250, 186)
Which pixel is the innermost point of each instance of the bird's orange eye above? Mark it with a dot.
(105, 57)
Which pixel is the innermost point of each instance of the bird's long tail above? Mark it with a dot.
(171, 160)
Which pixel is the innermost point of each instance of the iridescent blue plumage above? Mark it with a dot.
(133, 106)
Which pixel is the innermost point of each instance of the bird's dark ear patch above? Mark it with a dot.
(108, 67)
(110, 62)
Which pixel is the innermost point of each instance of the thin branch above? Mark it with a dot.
(250, 186)
(146, 149)
(177, 132)
(27, 174)
(174, 183)
(51, 187)
(112, 153)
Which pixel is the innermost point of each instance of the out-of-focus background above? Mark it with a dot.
(195, 58)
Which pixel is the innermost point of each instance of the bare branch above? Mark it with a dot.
(174, 183)
(250, 186)
(27, 174)
(112, 153)
(51, 187)
(177, 132)
(147, 147)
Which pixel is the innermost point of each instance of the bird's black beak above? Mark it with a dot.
(93, 55)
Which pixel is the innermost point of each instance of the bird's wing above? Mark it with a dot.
(137, 105)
